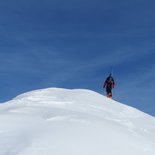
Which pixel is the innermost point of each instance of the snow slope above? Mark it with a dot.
(58, 121)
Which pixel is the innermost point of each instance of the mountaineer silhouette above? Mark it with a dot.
(109, 84)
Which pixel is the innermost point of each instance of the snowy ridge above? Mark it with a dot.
(58, 121)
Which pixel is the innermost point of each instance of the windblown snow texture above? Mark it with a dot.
(58, 121)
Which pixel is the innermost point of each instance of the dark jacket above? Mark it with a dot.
(109, 82)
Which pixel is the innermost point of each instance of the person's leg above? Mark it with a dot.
(109, 93)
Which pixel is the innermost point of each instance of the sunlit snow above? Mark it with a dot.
(58, 121)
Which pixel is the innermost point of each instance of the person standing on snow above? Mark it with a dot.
(109, 84)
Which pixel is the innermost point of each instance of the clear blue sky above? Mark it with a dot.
(76, 44)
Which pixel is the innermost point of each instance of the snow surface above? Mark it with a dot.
(58, 121)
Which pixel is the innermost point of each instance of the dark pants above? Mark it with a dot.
(109, 91)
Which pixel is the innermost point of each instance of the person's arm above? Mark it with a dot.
(105, 83)
(113, 83)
